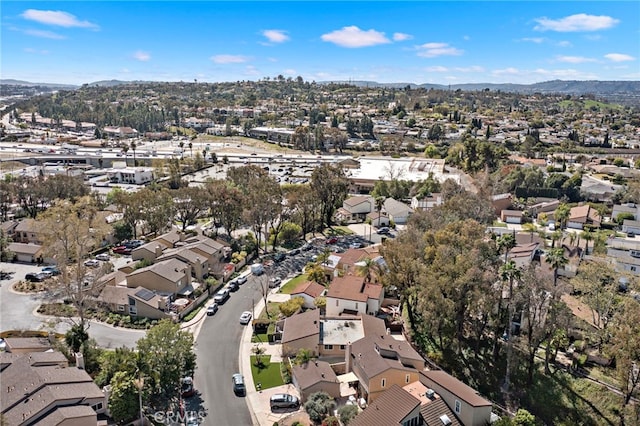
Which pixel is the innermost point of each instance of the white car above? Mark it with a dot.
(245, 317)
(103, 256)
(92, 263)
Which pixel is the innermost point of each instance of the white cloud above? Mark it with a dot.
(506, 71)
(36, 51)
(578, 22)
(437, 68)
(564, 43)
(619, 57)
(251, 70)
(473, 68)
(276, 36)
(290, 71)
(565, 73)
(141, 56)
(401, 36)
(574, 59)
(432, 50)
(229, 59)
(536, 40)
(355, 37)
(45, 34)
(57, 18)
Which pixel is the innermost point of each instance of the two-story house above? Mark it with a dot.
(351, 295)
(169, 277)
(427, 202)
(394, 407)
(380, 361)
(355, 209)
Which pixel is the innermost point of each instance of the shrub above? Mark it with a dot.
(318, 406)
(331, 421)
(347, 413)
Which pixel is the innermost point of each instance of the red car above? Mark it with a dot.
(122, 250)
(332, 240)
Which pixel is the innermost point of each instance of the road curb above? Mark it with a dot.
(244, 361)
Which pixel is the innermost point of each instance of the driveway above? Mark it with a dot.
(18, 312)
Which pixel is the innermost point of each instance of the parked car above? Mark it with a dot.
(241, 279)
(51, 270)
(233, 285)
(238, 384)
(187, 388)
(274, 282)
(103, 256)
(279, 257)
(383, 231)
(221, 296)
(35, 277)
(245, 318)
(294, 252)
(212, 309)
(122, 250)
(91, 263)
(356, 245)
(332, 240)
(284, 400)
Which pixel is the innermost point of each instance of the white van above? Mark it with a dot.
(257, 269)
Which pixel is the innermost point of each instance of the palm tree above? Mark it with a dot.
(561, 215)
(379, 204)
(191, 149)
(587, 236)
(125, 149)
(555, 236)
(531, 228)
(509, 272)
(369, 269)
(506, 242)
(556, 258)
(133, 148)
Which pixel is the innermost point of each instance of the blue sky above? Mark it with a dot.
(445, 42)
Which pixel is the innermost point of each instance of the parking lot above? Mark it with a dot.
(294, 261)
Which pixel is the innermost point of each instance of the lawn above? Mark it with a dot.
(339, 230)
(268, 376)
(259, 338)
(274, 311)
(292, 284)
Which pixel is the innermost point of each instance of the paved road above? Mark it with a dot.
(217, 348)
(18, 312)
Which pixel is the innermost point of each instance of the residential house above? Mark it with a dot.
(120, 132)
(511, 216)
(145, 303)
(199, 264)
(631, 226)
(397, 211)
(41, 389)
(583, 215)
(598, 190)
(501, 202)
(25, 252)
(315, 376)
(149, 251)
(523, 254)
(381, 361)
(629, 208)
(351, 295)
(171, 238)
(625, 253)
(116, 298)
(309, 291)
(543, 207)
(301, 331)
(168, 277)
(394, 407)
(433, 410)
(27, 231)
(21, 345)
(378, 219)
(468, 406)
(355, 209)
(427, 202)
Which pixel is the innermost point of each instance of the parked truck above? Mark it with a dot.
(257, 269)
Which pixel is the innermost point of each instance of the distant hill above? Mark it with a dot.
(111, 83)
(12, 82)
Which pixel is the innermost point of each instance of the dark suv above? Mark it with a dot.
(238, 384)
(284, 400)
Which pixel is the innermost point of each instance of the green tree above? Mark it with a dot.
(75, 337)
(556, 259)
(561, 215)
(168, 357)
(510, 273)
(346, 413)
(291, 306)
(189, 202)
(319, 405)
(329, 184)
(123, 400)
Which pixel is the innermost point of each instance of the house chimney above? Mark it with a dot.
(347, 358)
(79, 360)
(388, 331)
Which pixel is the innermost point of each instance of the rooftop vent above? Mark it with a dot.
(430, 393)
(445, 420)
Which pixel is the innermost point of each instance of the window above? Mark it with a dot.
(407, 378)
(97, 407)
(633, 269)
(337, 302)
(343, 347)
(383, 382)
(328, 347)
(133, 310)
(458, 407)
(121, 308)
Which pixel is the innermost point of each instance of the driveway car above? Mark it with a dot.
(92, 263)
(284, 400)
(238, 384)
(212, 309)
(103, 256)
(383, 231)
(37, 277)
(51, 270)
(221, 296)
(241, 279)
(245, 318)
